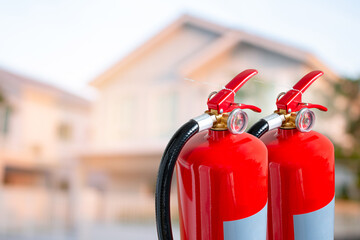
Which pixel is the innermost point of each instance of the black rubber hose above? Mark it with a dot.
(259, 128)
(163, 183)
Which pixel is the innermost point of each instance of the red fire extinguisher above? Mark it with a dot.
(301, 168)
(221, 173)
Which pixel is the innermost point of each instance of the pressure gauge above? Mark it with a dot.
(305, 120)
(237, 121)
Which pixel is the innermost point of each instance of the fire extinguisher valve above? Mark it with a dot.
(228, 114)
(291, 101)
(205, 121)
(223, 101)
(297, 114)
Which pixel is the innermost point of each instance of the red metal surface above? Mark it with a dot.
(243, 106)
(301, 177)
(220, 177)
(224, 99)
(292, 100)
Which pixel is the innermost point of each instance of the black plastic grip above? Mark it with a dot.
(163, 183)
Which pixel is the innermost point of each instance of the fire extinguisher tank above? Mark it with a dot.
(222, 178)
(222, 173)
(301, 168)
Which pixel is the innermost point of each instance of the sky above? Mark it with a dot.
(68, 43)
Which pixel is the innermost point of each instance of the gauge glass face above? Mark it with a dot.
(237, 121)
(305, 120)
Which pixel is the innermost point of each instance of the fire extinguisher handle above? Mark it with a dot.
(318, 106)
(223, 100)
(307, 80)
(251, 107)
(244, 106)
(291, 101)
(239, 80)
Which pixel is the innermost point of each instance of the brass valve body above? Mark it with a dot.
(221, 120)
(289, 122)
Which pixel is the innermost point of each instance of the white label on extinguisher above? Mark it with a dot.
(250, 228)
(317, 225)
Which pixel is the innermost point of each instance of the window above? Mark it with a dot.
(4, 115)
(64, 132)
(15, 176)
(166, 115)
(36, 150)
(123, 116)
(4, 119)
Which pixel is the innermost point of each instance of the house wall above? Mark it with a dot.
(146, 109)
(143, 103)
(47, 130)
(36, 115)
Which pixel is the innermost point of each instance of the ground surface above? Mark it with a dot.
(111, 231)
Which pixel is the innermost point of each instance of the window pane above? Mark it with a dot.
(166, 116)
(64, 131)
(4, 119)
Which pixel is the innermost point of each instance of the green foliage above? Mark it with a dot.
(344, 193)
(358, 177)
(350, 89)
(2, 98)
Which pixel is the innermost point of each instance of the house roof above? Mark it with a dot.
(13, 78)
(228, 39)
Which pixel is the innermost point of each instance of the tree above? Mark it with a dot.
(2, 98)
(350, 89)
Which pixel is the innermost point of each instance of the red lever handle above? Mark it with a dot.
(223, 101)
(292, 100)
(251, 107)
(307, 80)
(244, 106)
(310, 105)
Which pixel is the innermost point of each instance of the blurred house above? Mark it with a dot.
(42, 128)
(144, 98)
